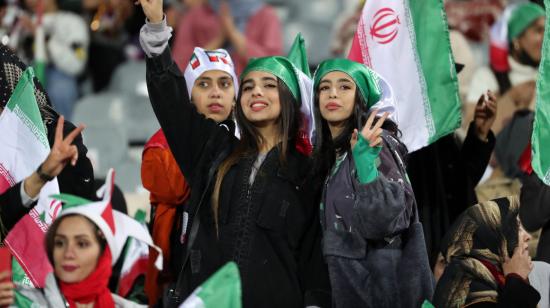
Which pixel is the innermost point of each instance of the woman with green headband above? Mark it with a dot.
(368, 205)
(251, 200)
(515, 54)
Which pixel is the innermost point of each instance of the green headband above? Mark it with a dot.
(365, 79)
(278, 66)
(522, 17)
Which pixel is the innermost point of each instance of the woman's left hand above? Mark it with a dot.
(7, 294)
(371, 133)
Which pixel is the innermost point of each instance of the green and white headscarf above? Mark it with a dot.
(376, 92)
(299, 84)
(521, 17)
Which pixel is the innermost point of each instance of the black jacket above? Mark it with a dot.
(271, 229)
(534, 212)
(443, 176)
(11, 208)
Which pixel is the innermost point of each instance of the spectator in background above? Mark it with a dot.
(344, 30)
(445, 173)
(67, 51)
(246, 28)
(115, 27)
(514, 82)
(487, 259)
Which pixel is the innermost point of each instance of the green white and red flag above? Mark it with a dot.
(407, 43)
(24, 147)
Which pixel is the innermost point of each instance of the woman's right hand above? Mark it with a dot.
(153, 10)
(520, 263)
(7, 295)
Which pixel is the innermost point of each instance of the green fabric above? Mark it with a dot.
(23, 103)
(364, 78)
(522, 17)
(223, 289)
(298, 55)
(19, 277)
(437, 66)
(70, 201)
(427, 304)
(540, 140)
(364, 157)
(279, 66)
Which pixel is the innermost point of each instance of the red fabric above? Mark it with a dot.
(161, 175)
(473, 17)
(525, 160)
(499, 59)
(499, 276)
(158, 140)
(94, 288)
(200, 25)
(127, 279)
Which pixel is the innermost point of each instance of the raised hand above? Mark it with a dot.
(485, 114)
(62, 151)
(6, 289)
(152, 9)
(520, 263)
(371, 133)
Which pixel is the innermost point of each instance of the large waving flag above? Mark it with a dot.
(407, 42)
(24, 147)
(540, 141)
(223, 289)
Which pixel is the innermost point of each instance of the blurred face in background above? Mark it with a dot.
(530, 41)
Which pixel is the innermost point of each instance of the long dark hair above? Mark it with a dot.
(288, 123)
(326, 148)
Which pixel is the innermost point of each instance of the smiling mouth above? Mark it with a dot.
(258, 106)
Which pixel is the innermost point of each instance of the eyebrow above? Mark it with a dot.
(204, 78)
(263, 79)
(76, 236)
(339, 80)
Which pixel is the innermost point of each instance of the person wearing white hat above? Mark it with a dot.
(83, 244)
(212, 86)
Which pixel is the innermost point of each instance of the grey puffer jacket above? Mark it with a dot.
(51, 297)
(372, 240)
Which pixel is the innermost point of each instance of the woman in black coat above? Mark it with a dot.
(251, 197)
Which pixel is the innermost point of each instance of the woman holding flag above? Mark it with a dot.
(251, 199)
(368, 209)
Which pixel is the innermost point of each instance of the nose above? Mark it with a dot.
(332, 92)
(257, 92)
(216, 92)
(69, 252)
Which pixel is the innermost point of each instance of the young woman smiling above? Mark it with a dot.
(252, 197)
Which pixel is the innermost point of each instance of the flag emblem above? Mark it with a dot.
(385, 26)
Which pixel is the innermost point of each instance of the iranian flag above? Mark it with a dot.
(223, 289)
(540, 140)
(407, 42)
(24, 147)
(136, 256)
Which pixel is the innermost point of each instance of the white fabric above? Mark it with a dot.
(124, 225)
(539, 278)
(484, 79)
(26, 200)
(209, 60)
(153, 37)
(67, 30)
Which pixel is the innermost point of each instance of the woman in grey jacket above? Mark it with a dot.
(368, 205)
